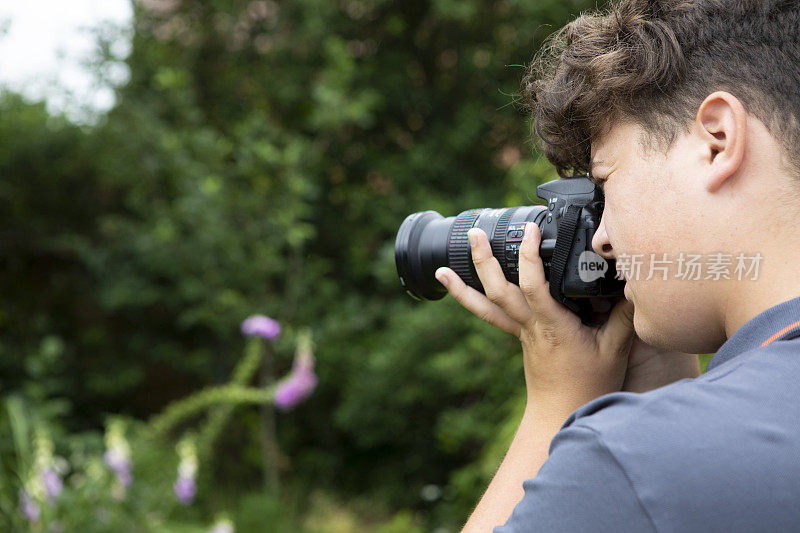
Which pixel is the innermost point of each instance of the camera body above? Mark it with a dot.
(577, 275)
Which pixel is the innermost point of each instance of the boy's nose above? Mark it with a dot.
(600, 242)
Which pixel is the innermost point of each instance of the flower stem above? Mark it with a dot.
(180, 410)
(270, 453)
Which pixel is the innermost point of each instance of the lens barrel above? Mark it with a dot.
(426, 241)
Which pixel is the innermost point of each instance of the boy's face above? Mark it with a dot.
(656, 204)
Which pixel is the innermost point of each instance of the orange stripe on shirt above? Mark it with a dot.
(781, 332)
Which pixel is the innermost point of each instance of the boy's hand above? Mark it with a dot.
(566, 363)
(650, 367)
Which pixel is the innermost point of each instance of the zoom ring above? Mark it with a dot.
(458, 251)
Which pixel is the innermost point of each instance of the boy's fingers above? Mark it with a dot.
(618, 331)
(499, 290)
(476, 302)
(533, 284)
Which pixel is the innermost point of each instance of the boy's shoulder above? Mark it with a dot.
(720, 452)
(726, 442)
(763, 383)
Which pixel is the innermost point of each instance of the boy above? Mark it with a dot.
(687, 112)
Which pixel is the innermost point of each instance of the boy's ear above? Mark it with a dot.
(722, 124)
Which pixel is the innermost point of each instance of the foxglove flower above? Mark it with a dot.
(120, 464)
(261, 326)
(29, 507)
(185, 486)
(52, 485)
(118, 454)
(301, 381)
(46, 484)
(185, 489)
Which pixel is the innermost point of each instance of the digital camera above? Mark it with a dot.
(578, 277)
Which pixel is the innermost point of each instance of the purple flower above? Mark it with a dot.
(52, 485)
(299, 385)
(185, 489)
(118, 457)
(261, 326)
(185, 486)
(121, 465)
(28, 506)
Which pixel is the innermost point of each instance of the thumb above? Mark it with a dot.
(618, 332)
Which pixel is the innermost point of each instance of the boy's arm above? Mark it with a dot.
(650, 368)
(567, 364)
(528, 451)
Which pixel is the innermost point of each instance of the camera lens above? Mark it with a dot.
(427, 241)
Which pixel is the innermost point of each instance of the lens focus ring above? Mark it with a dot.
(458, 249)
(499, 239)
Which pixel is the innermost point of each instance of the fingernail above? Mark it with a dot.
(472, 238)
(528, 232)
(441, 277)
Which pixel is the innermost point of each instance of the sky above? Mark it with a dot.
(44, 45)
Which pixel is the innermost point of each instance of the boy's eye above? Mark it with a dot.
(597, 181)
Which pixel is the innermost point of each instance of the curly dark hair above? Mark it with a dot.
(653, 62)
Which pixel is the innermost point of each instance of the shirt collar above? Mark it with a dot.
(762, 329)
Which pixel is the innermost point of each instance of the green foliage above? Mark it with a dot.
(127, 483)
(262, 157)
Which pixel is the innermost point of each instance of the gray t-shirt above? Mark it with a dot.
(720, 452)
